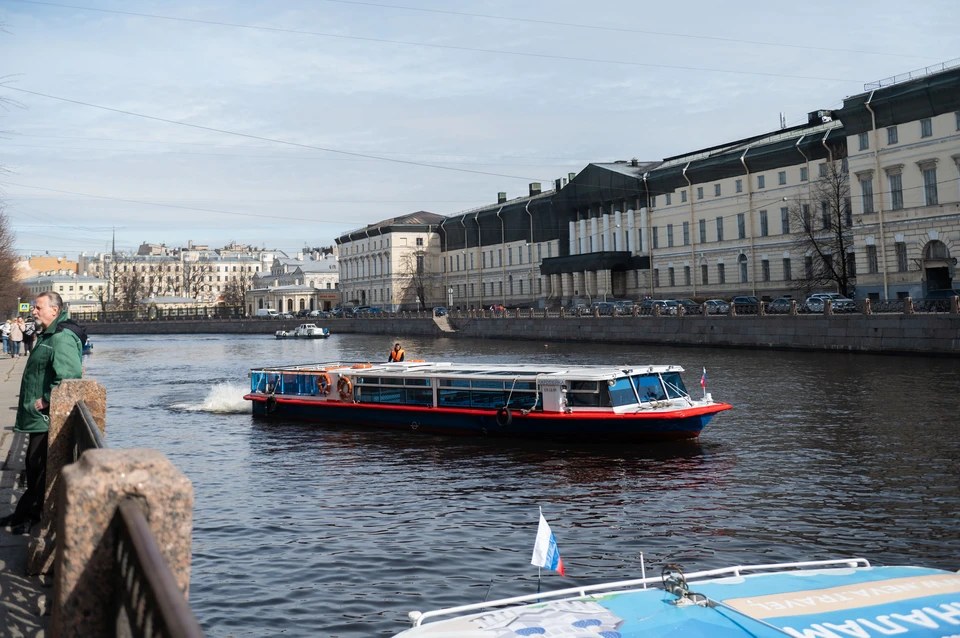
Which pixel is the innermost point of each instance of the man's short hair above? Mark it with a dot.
(54, 297)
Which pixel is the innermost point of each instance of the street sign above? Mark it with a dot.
(24, 307)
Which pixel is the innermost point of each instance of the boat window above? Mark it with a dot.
(488, 399)
(455, 383)
(488, 384)
(391, 395)
(368, 381)
(621, 392)
(391, 381)
(584, 394)
(421, 382)
(453, 398)
(674, 385)
(522, 385)
(649, 387)
(419, 396)
(367, 394)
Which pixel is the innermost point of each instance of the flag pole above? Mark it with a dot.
(538, 566)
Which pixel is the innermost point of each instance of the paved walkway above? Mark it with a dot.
(23, 599)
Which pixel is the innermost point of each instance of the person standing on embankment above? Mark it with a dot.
(57, 355)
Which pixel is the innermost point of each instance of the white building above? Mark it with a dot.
(79, 293)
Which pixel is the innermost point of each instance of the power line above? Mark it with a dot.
(272, 140)
(448, 47)
(617, 29)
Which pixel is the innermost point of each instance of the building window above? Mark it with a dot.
(872, 266)
(892, 135)
(686, 275)
(958, 120)
(668, 198)
(719, 228)
(716, 190)
(824, 214)
(782, 178)
(901, 257)
(930, 186)
(699, 192)
(804, 174)
(721, 274)
(683, 196)
(805, 214)
(864, 141)
(520, 254)
(852, 264)
(787, 274)
(539, 252)
(653, 202)
(742, 262)
(866, 190)
(896, 191)
(765, 269)
(926, 127)
(704, 274)
(823, 170)
(703, 231)
(656, 238)
(741, 226)
(670, 235)
(761, 181)
(739, 185)
(500, 258)
(785, 220)
(808, 266)
(510, 257)
(764, 229)
(686, 233)
(656, 277)
(483, 260)
(671, 277)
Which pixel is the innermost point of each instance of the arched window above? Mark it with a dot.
(303, 304)
(936, 249)
(289, 305)
(260, 303)
(742, 260)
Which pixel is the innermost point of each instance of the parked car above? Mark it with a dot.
(746, 305)
(647, 306)
(303, 312)
(778, 306)
(440, 311)
(690, 307)
(839, 302)
(669, 307)
(285, 315)
(717, 307)
(624, 307)
(319, 314)
(602, 307)
(937, 300)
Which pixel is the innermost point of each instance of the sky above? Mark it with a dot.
(286, 123)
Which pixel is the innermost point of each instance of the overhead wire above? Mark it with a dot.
(448, 47)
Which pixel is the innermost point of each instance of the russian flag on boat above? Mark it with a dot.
(703, 379)
(545, 550)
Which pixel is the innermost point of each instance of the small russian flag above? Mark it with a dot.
(703, 379)
(545, 550)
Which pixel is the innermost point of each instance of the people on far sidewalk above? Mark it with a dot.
(16, 337)
(57, 356)
(5, 331)
(29, 333)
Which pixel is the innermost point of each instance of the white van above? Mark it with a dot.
(266, 312)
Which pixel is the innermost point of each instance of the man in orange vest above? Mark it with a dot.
(396, 354)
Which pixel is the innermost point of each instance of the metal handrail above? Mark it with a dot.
(148, 591)
(417, 617)
(86, 433)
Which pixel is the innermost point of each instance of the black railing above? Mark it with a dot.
(147, 601)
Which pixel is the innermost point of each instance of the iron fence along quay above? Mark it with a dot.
(147, 601)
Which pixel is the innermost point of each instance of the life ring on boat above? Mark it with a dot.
(344, 387)
(417, 361)
(361, 366)
(504, 416)
(324, 383)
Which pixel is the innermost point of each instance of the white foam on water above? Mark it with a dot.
(223, 398)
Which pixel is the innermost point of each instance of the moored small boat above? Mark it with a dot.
(88, 347)
(816, 599)
(595, 403)
(303, 331)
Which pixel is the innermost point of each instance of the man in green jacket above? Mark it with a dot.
(57, 355)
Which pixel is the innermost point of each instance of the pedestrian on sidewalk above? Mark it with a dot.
(29, 330)
(16, 336)
(5, 331)
(57, 356)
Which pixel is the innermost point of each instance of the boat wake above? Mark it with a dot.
(223, 398)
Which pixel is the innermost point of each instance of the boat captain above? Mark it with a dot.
(396, 354)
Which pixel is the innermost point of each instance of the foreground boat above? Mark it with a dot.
(88, 347)
(819, 599)
(303, 331)
(646, 403)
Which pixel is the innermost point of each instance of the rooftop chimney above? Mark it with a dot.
(570, 176)
(557, 185)
(534, 188)
(501, 197)
(634, 162)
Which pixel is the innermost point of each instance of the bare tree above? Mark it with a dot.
(236, 289)
(11, 290)
(415, 270)
(127, 287)
(823, 224)
(194, 278)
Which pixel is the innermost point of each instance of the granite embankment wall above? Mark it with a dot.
(926, 334)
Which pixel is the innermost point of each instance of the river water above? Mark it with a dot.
(319, 530)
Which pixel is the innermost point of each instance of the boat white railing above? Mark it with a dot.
(417, 617)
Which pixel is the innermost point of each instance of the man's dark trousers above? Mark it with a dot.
(30, 505)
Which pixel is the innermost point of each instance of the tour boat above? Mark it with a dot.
(304, 331)
(642, 403)
(816, 599)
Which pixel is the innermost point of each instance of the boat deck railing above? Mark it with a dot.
(417, 617)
